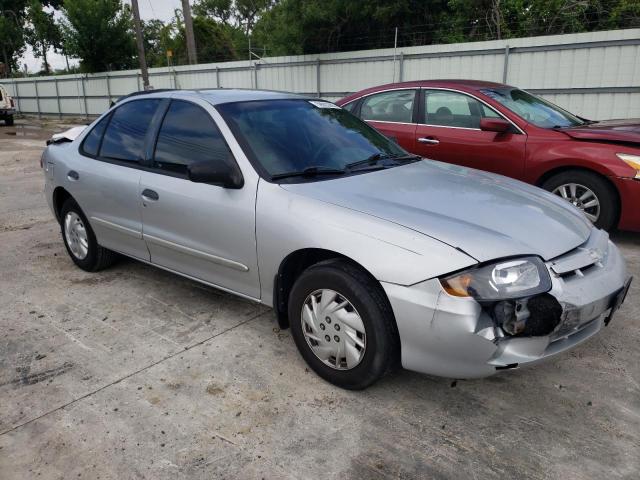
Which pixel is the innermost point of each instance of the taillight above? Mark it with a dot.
(12, 104)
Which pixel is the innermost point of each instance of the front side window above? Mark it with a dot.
(394, 106)
(124, 137)
(91, 143)
(293, 135)
(533, 109)
(188, 135)
(452, 109)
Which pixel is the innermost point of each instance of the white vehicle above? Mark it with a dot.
(7, 106)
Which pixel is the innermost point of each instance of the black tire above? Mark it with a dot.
(97, 258)
(609, 209)
(366, 295)
(8, 121)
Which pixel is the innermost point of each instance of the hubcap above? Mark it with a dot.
(76, 235)
(582, 197)
(344, 349)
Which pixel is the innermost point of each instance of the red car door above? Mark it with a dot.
(393, 113)
(449, 131)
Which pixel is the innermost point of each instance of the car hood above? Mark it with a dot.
(487, 216)
(627, 131)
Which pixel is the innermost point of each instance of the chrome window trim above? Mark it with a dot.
(389, 121)
(475, 98)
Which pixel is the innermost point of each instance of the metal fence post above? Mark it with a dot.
(217, 77)
(138, 81)
(84, 97)
(15, 85)
(318, 92)
(255, 76)
(35, 85)
(175, 79)
(108, 91)
(506, 64)
(55, 80)
(401, 67)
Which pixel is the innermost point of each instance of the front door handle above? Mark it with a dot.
(429, 140)
(73, 175)
(150, 195)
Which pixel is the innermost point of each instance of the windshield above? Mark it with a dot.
(286, 136)
(533, 109)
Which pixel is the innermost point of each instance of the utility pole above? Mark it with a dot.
(141, 56)
(188, 26)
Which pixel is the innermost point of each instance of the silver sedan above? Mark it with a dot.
(374, 257)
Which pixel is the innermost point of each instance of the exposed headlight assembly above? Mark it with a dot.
(507, 279)
(632, 160)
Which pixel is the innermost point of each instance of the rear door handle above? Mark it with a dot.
(150, 195)
(429, 140)
(73, 175)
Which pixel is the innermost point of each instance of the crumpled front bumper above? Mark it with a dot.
(456, 337)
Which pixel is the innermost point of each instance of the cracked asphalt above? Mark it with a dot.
(135, 373)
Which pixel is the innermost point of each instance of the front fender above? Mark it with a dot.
(545, 156)
(287, 222)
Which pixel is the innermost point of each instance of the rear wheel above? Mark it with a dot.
(342, 324)
(589, 192)
(80, 240)
(8, 121)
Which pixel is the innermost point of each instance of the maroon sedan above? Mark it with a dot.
(502, 129)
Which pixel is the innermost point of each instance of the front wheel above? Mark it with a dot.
(590, 193)
(342, 324)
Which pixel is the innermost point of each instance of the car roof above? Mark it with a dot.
(217, 96)
(455, 83)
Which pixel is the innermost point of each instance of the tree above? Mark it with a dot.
(12, 32)
(158, 38)
(99, 33)
(42, 32)
(308, 26)
(236, 13)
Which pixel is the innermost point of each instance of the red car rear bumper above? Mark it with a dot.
(629, 190)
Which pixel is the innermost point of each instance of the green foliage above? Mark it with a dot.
(42, 32)
(100, 33)
(311, 26)
(12, 40)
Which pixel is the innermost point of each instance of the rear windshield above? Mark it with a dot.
(291, 135)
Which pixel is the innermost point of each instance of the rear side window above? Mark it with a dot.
(124, 137)
(349, 106)
(188, 135)
(91, 143)
(395, 106)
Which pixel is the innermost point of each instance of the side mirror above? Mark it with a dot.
(498, 125)
(226, 175)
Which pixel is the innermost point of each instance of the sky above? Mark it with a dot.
(149, 9)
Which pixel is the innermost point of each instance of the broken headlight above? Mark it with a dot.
(507, 279)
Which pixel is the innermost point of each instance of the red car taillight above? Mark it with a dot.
(12, 103)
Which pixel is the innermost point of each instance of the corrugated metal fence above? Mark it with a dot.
(596, 75)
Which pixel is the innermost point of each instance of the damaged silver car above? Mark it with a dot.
(373, 256)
